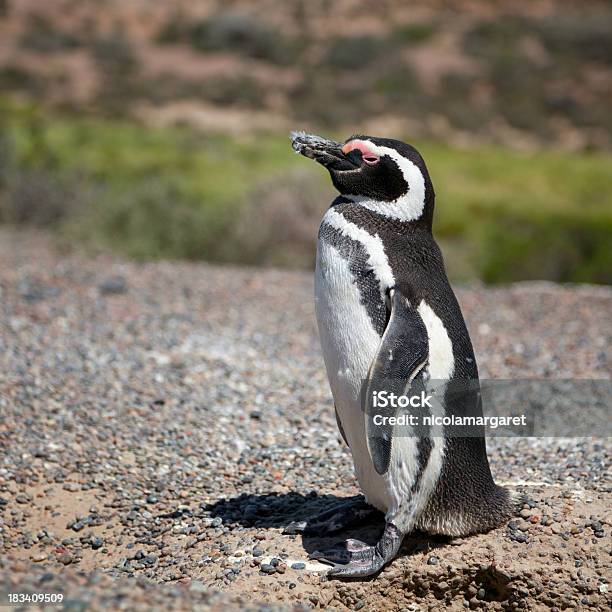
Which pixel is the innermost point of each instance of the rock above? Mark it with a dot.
(522, 525)
(113, 285)
(325, 597)
(518, 536)
(96, 542)
(596, 525)
(196, 586)
(65, 558)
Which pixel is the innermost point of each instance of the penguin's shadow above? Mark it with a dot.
(277, 511)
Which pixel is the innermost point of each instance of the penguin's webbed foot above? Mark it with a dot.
(340, 516)
(356, 559)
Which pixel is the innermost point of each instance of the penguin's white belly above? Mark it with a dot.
(349, 344)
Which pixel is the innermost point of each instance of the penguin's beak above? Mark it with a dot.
(326, 152)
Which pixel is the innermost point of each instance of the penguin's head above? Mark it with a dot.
(388, 176)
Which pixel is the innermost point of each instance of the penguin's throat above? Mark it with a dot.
(405, 208)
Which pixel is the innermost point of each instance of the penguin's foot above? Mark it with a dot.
(341, 516)
(356, 559)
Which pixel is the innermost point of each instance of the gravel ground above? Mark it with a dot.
(161, 423)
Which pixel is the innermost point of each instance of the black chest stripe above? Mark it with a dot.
(357, 257)
(372, 222)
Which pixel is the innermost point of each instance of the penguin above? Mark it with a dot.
(389, 322)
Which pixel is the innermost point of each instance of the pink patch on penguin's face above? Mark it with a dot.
(368, 156)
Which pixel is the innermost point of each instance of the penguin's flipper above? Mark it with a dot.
(402, 353)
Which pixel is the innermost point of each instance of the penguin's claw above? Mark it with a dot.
(356, 569)
(355, 559)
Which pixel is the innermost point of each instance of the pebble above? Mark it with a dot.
(522, 525)
(96, 543)
(113, 285)
(197, 586)
(596, 525)
(65, 558)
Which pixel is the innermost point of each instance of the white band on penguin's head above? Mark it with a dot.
(407, 207)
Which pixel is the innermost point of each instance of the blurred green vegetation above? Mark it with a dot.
(174, 193)
(239, 33)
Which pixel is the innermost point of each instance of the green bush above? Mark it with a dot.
(42, 35)
(40, 198)
(573, 38)
(232, 32)
(568, 247)
(16, 78)
(358, 52)
(118, 66)
(415, 33)
(152, 219)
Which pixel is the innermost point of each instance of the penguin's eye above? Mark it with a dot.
(371, 159)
